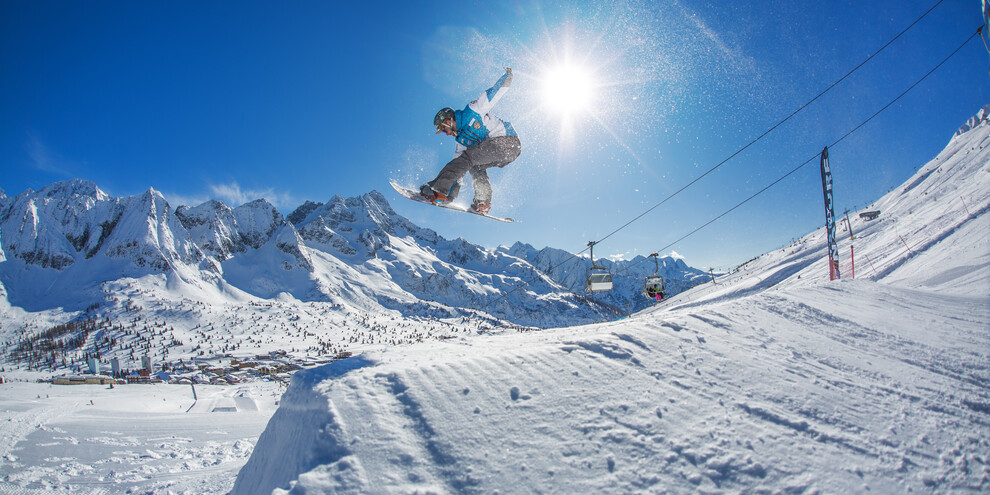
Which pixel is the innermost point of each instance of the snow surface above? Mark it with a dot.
(771, 380)
(774, 379)
(130, 439)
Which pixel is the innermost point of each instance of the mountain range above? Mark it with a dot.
(61, 244)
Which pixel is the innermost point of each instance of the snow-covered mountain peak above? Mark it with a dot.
(980, 118)
(333, 212)
(155, 202)
(340, 210)
(54, 227)
(211, 211)
(74, 188)
(520, 249)
(301, 214)
(212, 227)
(257, 221)
(145, 230)
(373, 200)
(370, 215)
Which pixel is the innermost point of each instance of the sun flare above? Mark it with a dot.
(568, 89)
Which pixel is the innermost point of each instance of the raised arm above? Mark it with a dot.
(487, 100)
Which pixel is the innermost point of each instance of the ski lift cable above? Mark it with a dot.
(761, 191)
(877, 52)
(813, 158)
(575, 255)
(761, 136)
(775, 126)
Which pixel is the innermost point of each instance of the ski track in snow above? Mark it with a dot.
(836, 405)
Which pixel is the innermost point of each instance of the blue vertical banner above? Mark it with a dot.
(833, 248)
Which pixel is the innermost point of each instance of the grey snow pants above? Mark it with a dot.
(492, 152)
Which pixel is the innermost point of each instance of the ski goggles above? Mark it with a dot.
(442, 127)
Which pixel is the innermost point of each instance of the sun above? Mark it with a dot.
(567, 89)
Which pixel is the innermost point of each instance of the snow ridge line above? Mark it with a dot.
(801, 261)
(606, 349)
(918, 250)
(804, 427)
(911, 354)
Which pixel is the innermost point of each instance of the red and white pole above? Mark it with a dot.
(852, 263)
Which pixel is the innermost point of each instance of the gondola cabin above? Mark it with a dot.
(654, 288)
(599, 280)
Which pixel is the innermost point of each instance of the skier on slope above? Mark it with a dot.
(483, 141)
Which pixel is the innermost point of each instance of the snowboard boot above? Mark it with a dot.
(437, 198)
(481, 207)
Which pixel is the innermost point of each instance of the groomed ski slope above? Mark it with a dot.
(773, 380)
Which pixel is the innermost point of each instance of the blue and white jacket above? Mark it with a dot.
(475, 124)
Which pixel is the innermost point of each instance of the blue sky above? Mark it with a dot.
(296, 101)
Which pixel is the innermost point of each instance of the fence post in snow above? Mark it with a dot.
(852, 263)
(871, 265)
(905, 244)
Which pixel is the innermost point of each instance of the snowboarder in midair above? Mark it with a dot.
(483, 141)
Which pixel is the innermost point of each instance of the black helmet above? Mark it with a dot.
(444, 114)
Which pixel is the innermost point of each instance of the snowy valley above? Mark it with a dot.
(772, 379)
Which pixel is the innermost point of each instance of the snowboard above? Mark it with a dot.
(414, 195)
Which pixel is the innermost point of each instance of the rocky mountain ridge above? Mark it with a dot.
(61, 243)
